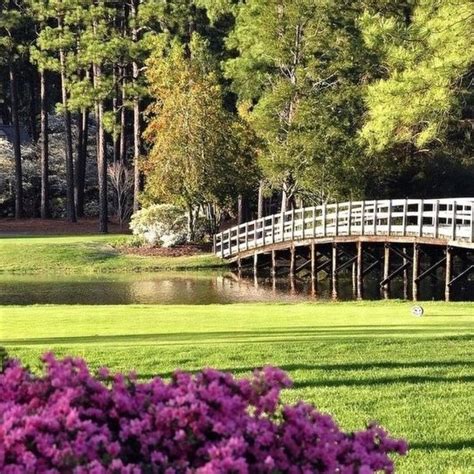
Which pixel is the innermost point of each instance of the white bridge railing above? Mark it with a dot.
(445, 219)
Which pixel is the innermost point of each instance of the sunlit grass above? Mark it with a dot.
(358, 361)
(86, 254)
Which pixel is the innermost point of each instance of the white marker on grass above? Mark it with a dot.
(417, 311)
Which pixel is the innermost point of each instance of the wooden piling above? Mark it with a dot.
(313, 261)
(416, 271)
(405, 274)
(334, 282)
(449, 273)
(354, 280)
(386, 272)
(360, 270)
(274, 263)
(292, 260)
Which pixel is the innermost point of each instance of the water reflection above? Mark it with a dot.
(197, 289)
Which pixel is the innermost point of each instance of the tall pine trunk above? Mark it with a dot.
(260, 200)
(33, 88)
(16, 144)
(136, 116)
(45, 211)
(81, 159)
(101, 156)
(123, 124)
(70, 207)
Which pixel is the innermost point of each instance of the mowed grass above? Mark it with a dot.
(86, 254)
(358, 361)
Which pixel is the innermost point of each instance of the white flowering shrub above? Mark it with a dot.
(160, 224)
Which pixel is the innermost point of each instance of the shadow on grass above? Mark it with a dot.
(228, 336)
(452, 446)
(333, 367)
(410, 379)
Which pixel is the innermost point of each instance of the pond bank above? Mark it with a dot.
(88, 254)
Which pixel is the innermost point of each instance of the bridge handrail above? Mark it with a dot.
(446, 219)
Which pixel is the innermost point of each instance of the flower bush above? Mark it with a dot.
(69, 421)
(160, 224)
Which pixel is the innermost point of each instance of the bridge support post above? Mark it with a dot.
(416, 270)
(360, 271)
(274, 263)
(255, 263)
(449, 273)
(313, 261)
(292, 260)
(405, 273)
(354, 279)
(334, 271)
(386, 272)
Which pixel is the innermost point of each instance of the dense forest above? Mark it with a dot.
(231, 108)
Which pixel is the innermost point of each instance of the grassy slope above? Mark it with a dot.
(359, 361)
(85, 254)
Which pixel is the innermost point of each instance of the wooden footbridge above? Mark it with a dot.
(407, 238)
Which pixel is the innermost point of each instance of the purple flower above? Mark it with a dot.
(69, 421)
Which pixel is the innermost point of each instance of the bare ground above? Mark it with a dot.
(9, 226)
(178, 251)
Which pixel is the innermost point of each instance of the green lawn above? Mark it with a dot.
(86, 254)
(358, 361)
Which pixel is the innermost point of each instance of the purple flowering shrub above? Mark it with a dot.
(69, 421)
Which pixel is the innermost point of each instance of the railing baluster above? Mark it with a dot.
(229, 235)
(323, 217)
(436, 219)
(472, 222)
(222, 244)
(349, 218)
(389, 217)
(293, 223)
(362, 218)
(247, 236)
(302, 217)
(404, 219)
(282, 227)
(375, 218)
(273, 228)
(421, 208)
(453, 228)
(336, 220)
(314, 221)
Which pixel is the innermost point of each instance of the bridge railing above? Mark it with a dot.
(446, 219)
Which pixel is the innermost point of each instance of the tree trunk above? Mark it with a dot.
(191, 233)
(284, 199)
(115, 108)
(45, 211)
(123, 124)
(101, 157)
(16, 144)
(81, 159)
(33, 104)
(136, 116)
(240, 209)
(70, 207)
(260, 201)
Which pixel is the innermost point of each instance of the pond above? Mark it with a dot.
(188, 288)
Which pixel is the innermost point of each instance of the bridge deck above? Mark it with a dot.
(435, 221)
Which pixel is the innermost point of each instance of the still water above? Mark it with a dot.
(190, 288)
